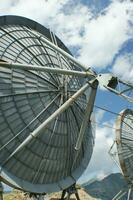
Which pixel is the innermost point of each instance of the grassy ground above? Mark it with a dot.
(15, 195)
(18, 195)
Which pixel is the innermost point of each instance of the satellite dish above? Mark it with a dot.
(46, 101)
(46, 136)
(124, 142)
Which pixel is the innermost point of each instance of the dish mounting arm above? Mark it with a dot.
(117, 86)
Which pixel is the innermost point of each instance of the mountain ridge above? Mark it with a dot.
(106, 188)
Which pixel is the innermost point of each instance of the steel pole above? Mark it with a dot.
(87, 115)
(129, 193)
(120, 194)
(46, 69)
(38, 130)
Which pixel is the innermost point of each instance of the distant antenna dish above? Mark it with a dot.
(44, 144)
(124, 142)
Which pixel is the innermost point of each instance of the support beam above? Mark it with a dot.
(1, 191)
(61, 51)
(121, 93)
(117, 86)
(46, 69)
(44, 125)
(129, 193)
(36, 196)
(120, 195)
(87, 115)
(70, 191)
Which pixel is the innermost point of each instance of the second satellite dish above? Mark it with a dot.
(124, 141)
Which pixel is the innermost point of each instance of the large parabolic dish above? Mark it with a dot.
(49, 162)
(124, 141)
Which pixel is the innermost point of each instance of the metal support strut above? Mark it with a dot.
(1, 195)
(69, 191)
(1, 191)
(34, 196)
(126, 193)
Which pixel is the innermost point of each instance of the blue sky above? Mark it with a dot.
(100, 34)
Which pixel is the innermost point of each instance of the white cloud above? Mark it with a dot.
(101, 163)
(98, 39)
(123, 67)
(102, 145)
(64, 17)
(5, 6)
(106, 34)
(71, 26)
(99, 115)
(41, 10)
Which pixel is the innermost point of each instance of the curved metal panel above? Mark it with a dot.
(124, 141)
(27, 98)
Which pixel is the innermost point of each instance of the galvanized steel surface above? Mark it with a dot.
(124, 141)
(27, 98)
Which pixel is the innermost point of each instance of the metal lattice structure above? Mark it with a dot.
(37, 152)
(124, 142)
(117, 86)
(123, 89)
